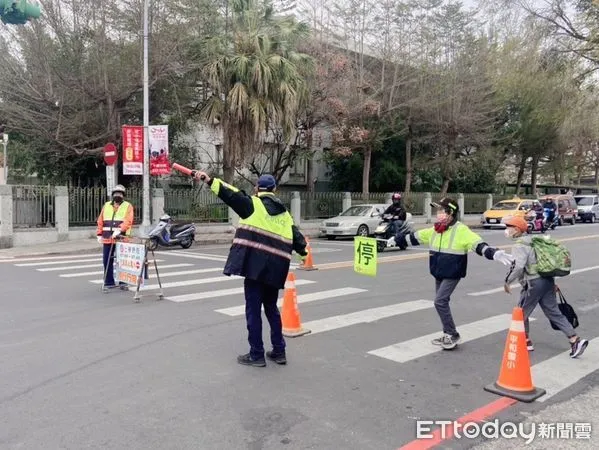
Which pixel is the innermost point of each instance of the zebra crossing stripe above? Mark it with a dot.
(235, 311)
(219, 293)
(56, 263)
(101, 272)
(174, 274)
(421, 346)
(365, 316)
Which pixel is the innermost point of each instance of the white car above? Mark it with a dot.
(357, 220)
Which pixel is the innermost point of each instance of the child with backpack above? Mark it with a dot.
(537, 261)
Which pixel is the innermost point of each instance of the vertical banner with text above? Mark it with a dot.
(133, 149)
(159, 164)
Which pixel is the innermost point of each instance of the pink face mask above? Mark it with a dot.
(442, 216)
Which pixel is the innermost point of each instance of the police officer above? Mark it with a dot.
(261, 253)
(115, 220)
(449, 242)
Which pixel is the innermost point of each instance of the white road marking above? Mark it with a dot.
(365, 316)
(515, 285)
(421, 346)
(78, 266)
(55, 263)
(172, 284)
(46, 258)
(193, 256)
(557, 373)
(304, 298)
(586, 308)
(174, 274)
(101, 272)
(219, 293)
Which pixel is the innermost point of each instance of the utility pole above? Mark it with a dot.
(5, 160)
(146, 164)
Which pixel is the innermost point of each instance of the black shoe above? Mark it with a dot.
(279, 358)
(247, 360)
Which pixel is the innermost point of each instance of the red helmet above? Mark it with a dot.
(396, 196)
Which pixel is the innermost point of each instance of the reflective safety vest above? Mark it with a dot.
(113, 220)
(449, 250)
(261, 231)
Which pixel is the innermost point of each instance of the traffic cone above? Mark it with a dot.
(515, 378)
(292, 322)
(308, 264)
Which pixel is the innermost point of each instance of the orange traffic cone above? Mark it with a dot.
(515, 378)
(308, 264)
(292, 323)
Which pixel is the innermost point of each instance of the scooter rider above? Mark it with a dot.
(449, 241)
(550, 204)
(397, 211)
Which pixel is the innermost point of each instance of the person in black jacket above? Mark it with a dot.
(261, 253)
(397, 210)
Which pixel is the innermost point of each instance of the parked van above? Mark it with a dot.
(567, 209)
(588, 207)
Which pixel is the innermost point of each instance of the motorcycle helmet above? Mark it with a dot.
(165, 218)
(396, 198)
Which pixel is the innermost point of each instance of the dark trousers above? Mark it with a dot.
(108, 261)
(256, 295)
(444, 288)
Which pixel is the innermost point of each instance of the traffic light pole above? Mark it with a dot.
(146, 166)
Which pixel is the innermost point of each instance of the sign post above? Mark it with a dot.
(110, 158)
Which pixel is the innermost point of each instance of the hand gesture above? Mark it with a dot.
(203, 176)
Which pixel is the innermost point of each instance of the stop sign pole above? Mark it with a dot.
(111, 156)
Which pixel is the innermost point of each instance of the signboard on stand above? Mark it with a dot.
(130, 260)
(159, 164)
(133, 149)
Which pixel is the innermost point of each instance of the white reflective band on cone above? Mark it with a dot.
(517, 325)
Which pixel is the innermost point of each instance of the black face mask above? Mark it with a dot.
(117, 199)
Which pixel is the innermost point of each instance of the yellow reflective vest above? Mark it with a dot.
(112, 221)
(449, 250)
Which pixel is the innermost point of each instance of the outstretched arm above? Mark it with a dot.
(236, 199)
(476, 243)
(421, 237)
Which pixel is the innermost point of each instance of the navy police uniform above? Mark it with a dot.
(261, 253)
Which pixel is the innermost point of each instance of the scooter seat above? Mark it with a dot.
(178, 227)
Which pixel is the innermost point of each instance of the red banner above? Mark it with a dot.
(133, 149)
(159, 164)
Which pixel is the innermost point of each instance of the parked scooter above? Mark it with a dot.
(383, 231)
(535, 223)
(168, 235)
(554, 223)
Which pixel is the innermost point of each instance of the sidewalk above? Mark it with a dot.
(202, 239)
(581, 409)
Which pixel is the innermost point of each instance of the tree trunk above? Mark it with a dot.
(521, 174)
(445, 186)
(366, 173)
(533, 173)
(596, 180)
(228, 154)
(409, 168)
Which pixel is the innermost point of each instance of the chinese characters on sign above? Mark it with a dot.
(129, 263)
(133, 149)
(365, 256)
(159, 164)
(512, 349)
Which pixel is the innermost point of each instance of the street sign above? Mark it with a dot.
(365, 256)
(110, 154)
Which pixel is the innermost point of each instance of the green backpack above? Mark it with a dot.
(553, 258)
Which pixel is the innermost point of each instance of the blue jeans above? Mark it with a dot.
(256, 295)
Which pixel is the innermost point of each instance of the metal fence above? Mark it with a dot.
(33, 206)
(85, 204)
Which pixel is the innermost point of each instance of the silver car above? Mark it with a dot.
(357, 220)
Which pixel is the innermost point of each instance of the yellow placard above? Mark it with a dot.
(365, 256)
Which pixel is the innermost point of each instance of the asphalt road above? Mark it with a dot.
(82, 369)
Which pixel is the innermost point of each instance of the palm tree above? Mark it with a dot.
(256, 78)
